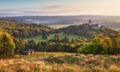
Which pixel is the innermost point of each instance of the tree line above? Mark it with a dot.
(97, 45)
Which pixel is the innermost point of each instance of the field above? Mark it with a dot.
(51, 36)
(61, 62)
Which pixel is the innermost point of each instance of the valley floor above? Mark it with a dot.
(61, 62)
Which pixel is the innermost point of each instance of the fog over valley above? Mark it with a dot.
(112, 22)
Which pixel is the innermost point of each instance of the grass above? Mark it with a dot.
(61, 62)
(36, 55)
(51, 36)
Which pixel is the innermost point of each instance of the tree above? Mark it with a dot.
(31, 45)
(20, 45)
(58, 36)
(45, 35)
(66, 39)
(102, 47)
(116, 45)
(7, 45)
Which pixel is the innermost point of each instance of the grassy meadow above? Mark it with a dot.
(51, 36)
(61, 62)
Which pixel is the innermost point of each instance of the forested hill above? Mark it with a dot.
(20, 29)
(24, 30)
(88, 31)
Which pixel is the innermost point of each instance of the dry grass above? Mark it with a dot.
(61, 62)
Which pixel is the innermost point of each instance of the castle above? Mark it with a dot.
(89, 24)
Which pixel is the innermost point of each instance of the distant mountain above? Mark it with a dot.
(112, 22)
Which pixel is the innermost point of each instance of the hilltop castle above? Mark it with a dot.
(92, 25)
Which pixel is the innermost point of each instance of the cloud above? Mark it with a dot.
(53, 7)
(9, 11)
(45, 10)
(35, 12)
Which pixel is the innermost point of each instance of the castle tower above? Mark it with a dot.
(90, 21)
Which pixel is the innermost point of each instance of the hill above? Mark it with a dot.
(25, 30)
(20, 29)
(88, 30)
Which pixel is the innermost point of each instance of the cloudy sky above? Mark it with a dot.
(59, 7)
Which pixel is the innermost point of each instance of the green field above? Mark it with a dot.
(51, 36)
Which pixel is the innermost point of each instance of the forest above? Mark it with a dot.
(91, 41)
(22, 30)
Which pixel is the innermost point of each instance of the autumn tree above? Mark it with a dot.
(7, 45)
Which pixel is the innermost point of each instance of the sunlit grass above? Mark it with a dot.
(61, 62)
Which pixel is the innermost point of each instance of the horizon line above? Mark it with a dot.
(58, 15)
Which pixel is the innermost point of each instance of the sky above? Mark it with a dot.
(59, 7)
